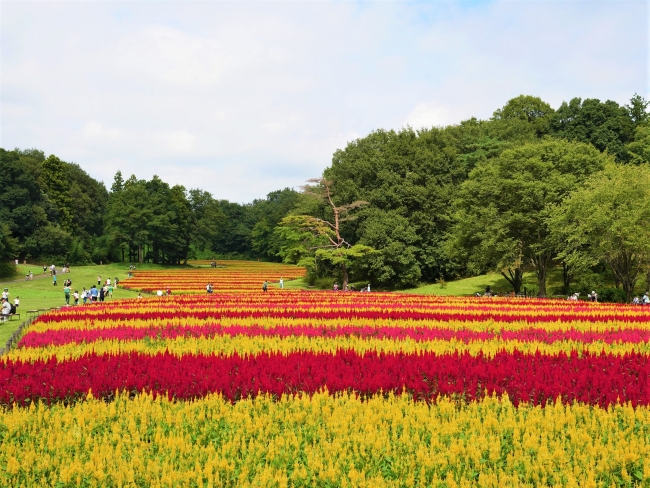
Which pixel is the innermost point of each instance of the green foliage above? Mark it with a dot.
(7, 270)
(607, 220)
(395, 264)
(526, 108)
(503, 206)
(605, 125)
(639, 149)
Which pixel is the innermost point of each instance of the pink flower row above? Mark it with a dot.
(127, 333)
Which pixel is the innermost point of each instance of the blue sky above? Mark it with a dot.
(242, 98)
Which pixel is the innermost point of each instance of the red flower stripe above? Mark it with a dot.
(126, 333)
(600, 379)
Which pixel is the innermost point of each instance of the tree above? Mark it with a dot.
(638, 109)
(504, 204)
(205, 220)
(324, 236)
(394, 264)
(54, 180)
(606, 219)
(639, 149)
(527, 108)
(605, 125)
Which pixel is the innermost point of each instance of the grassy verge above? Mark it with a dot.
(41, 293)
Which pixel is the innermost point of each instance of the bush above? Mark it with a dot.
(8, 270)
(614, 295)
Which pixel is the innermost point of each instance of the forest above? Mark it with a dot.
(529, 190)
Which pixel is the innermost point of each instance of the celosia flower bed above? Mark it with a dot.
(230, 276)
(326, 388)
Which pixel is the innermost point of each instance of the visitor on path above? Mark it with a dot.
(159, 293)
(594, 296)
(139, 295)
(53, 280)
(108, 281)
(16, 303)
(5, 294)
(44, 270)
(101, 294)
(281, 284)
(66, 294)
(75, 295)
(336, 287)
(110, 291)
(646, 299)
(368, 287)
(116, 282)
(265, 287)
(84, 295)
(93, 294)
(99, 281)
(208, 287)
(169, 291)
(6, 309)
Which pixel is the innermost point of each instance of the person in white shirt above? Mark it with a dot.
(6, 308)
(5, 294)
(17, 302)
(159, 293)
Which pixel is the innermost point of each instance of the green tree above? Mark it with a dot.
(639, 149)
(504, 204)
(606, 219)
(529, 109)
(395, 263)
(605, 125)
(54, 180)
(637, 109)
(330, 245)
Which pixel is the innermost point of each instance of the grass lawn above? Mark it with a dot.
(41, 293)
(298, 284)
(477, 284)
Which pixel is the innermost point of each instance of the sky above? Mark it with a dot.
(244, 98)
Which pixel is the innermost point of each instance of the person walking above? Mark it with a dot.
(265, 286)
(84, 295)
(75, 295)
(101, 294)
(99, 280)
(16, 302)
(53, 280)
(66, 294)
(281, 283)
(6, 309)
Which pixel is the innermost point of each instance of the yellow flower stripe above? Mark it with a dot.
(323, 441)
(228, 345)
(268, 322)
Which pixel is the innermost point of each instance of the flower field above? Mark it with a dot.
(233, 276)
(296, 388)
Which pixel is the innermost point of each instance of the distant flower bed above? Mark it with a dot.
(229, 276)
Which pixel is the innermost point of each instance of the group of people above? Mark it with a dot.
(160, 293)
(364, 289)
(96, 293)
(6, 307)
(644, 300)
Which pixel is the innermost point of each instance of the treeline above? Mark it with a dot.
(492, 195)
(395, 208)
(53, 211)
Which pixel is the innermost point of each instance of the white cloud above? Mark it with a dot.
(429, 115)
(95, 130)
(244, 98)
